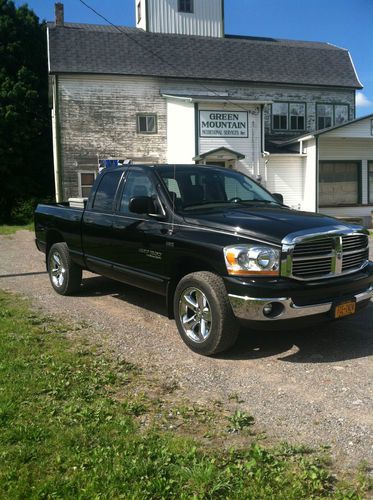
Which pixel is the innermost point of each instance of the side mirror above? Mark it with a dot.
(142, 205)
(278, 197)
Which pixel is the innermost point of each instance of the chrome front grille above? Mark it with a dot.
(313, 256)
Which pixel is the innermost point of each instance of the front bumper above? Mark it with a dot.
(283, 308)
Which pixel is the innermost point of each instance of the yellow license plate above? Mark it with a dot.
(345, 309)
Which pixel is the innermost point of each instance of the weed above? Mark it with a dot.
(240, 420)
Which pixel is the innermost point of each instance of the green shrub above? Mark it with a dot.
(23, 211)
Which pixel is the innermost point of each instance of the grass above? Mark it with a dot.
(8, 229)
(71, 427)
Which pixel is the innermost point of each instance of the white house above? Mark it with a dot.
(177, 89)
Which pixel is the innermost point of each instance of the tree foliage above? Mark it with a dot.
(25, 132)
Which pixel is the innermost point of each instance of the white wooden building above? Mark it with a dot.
(330, 171)
(176, 89)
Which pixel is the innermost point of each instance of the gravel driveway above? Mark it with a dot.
(312, 386)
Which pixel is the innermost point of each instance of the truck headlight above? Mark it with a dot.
(243, 260)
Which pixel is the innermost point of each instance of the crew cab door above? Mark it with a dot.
(97, 224)
(139, 240)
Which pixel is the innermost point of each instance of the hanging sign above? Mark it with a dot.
(223, 124)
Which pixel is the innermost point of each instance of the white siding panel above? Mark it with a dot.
(365, 213)
(180, 132)
(285, 175)
(310, 187)
(360, 129)
(206, 20)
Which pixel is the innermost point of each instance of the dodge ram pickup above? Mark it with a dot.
(219, 247)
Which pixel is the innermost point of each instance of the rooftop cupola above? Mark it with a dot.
(183, 17)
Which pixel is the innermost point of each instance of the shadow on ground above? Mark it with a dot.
(99, 285)
(335, 341)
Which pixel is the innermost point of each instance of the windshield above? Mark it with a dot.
(194, 187)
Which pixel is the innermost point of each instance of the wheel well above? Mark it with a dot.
(52, 238)
(184, 267)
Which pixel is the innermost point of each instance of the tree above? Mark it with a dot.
(26, 170)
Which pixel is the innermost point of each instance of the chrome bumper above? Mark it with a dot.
(250, 308)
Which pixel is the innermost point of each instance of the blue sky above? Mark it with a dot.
(346, 23)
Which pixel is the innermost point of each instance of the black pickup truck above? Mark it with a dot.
(219, 247)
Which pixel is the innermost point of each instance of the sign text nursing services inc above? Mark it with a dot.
(223, 124)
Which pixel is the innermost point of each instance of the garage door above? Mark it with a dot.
(339, 183)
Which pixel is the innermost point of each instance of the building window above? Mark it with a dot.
(139, 12)
(288, 115)
(185, 6)
(280, 116)
(340, 114)
(147, 124)
(370, 181)
(297, 115)
(331, 114)
(85, 180)
(339, 183)
(324, 116)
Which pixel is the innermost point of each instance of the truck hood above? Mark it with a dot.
(263, 222)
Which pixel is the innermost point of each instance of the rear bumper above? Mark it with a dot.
(283, 308)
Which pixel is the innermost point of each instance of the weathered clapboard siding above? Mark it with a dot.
(98, 120)
(276, 93)
(285, 175)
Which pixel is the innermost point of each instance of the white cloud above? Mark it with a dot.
(362, 101)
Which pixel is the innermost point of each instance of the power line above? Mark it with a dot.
(157, 55)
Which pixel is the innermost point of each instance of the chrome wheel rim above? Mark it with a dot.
(195, 314)
(57, 269)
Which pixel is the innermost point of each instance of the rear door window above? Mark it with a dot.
(106, 190)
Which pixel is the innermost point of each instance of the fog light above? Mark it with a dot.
(267, 309)
(273, 309)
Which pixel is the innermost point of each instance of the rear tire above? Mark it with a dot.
(64, 274)
(203, 314)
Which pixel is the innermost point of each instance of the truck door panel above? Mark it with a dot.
(138, 241)
(97, 225)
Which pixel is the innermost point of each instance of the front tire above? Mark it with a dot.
(64, 274)
(203, 313)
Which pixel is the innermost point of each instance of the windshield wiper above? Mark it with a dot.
(259, 201)
(206, 203)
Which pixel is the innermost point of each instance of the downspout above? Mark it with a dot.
(265, 154)
(56, 142)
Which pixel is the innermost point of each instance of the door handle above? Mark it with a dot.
(89, 221)
(119, 226)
